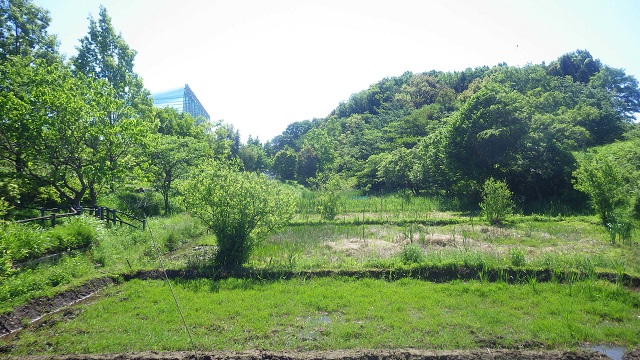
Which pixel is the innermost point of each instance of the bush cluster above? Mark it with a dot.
(239, 208)
(21, 242)
(497, 201)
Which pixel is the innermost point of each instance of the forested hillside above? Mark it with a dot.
(83, 130)
(447, 132)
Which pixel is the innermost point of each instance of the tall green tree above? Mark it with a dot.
(396, 170)
(171, 158)
(601, 179)
(291, 136)
(172, 122)
(432, 171)
(226, 142)
(18, 123)
(23, 31)
(308, 164)
(421, 90)
(55, 129)
(104, 54)
(579, 65)
(324, 147)
(253, 156)
(285, 164)
(173, 151)
(23, 34)
(623, 88)
(485, 135)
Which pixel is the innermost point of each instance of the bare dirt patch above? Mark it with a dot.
(354, 247)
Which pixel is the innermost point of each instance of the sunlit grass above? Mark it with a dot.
(339, 313)
(114, 251)
(560, 245)
(556, 243)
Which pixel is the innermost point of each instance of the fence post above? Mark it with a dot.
(144, 224)
(114, 216)
(101, 209)
(53, 219)
(42, 215)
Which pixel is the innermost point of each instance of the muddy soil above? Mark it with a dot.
(482, 354)
(37, 308)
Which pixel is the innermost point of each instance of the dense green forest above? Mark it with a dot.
(447, 132)
(83, 131)
(537, 127)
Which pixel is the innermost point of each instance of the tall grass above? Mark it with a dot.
(21, 242)
(357, 208)
(104, 251)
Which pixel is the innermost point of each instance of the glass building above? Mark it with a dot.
(183, 100)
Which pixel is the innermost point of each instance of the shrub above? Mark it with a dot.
(601, 179)
(497, 201)
(239, 208)
(57, 277)
(330, 198)
(412, 254)
(516, 255)
(21, 242)
(77, 233)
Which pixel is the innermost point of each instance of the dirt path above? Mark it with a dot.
(482, 354)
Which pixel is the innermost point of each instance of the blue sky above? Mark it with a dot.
(261, 65)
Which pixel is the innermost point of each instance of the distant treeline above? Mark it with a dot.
(448, 132)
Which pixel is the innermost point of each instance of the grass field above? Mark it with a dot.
(329, 313)
(340, 313)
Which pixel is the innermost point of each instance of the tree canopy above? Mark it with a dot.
(23, 31)
(73, 131)
(448, 132)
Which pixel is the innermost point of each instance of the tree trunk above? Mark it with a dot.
(166, 202)
(93, 197)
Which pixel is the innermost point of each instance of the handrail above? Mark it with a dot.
(101, 212)
(52, 216)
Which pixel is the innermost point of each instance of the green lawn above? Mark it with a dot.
(340, 313)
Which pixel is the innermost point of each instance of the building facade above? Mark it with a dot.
(183, 100)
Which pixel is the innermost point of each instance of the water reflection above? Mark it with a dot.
(613, 352)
